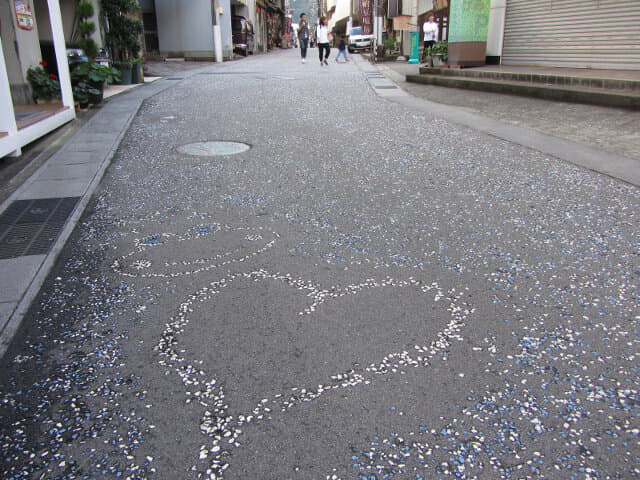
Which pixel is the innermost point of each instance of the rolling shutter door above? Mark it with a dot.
(573, 33)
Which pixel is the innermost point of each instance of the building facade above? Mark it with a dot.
(187, 30)
(26, 27)
(569, 33)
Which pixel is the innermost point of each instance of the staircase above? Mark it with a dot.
(557, 86)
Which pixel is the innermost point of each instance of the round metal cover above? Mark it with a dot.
(211, 149)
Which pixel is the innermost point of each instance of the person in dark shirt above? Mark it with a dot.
(342, 49)
(303, 36)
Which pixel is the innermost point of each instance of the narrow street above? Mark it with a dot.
(362, 291)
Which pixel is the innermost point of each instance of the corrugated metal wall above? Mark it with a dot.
(573, 33)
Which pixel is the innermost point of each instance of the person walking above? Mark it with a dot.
(342, 49)
(323, 41)
(303, 36)
(430, 29)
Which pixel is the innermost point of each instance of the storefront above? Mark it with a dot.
(21, 121)
(275, 23)
(572, 33)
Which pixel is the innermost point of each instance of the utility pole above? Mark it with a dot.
(377, 21)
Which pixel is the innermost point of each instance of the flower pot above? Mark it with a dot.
(97, 99)
(50, 101)
(125, 73)
(137, 74)
(437, 60)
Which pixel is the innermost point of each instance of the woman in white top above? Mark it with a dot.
(323, 41)
(430, 29)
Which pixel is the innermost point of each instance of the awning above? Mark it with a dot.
(341, 26)
(275, 6)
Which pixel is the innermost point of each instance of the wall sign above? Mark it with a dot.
(24, 15)
(402, 22)
(440, 4)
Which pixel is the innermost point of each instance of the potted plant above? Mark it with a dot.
(82, 92)
(95, 75)
(388, 49)
(122, 34)
(137, 74)
(45, 86)
(439, 53)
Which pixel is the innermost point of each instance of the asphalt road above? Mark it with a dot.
(367, 292)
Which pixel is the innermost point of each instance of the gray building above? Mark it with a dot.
(174, 28)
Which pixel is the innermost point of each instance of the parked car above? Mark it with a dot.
(242, 32)
(358, 41)
(75, 56)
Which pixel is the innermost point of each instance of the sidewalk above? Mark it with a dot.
(38, 217)
(613, 130)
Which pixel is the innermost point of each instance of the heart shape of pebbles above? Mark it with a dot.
(263, 356)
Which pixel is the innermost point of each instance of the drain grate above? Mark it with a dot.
(175, 78)
(384, 86)
(31, 227)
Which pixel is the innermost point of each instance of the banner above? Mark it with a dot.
(24, 16)
(469, 20)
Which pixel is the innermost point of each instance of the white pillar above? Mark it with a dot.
(217, 33)
(8, 118)
(60, 48)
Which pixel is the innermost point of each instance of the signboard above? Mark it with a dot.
(469, 20)
(440, 4)
(413, 50)
(402, 22)
(24, 15)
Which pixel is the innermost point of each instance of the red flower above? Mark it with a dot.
(43, 63)
(54, 77)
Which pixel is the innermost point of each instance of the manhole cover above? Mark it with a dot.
(210, 149)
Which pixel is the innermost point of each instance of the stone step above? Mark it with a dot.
(588, 81)
(618, 98)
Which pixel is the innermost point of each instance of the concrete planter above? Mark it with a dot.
(437, 60)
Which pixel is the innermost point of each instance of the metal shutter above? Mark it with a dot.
(573, 33)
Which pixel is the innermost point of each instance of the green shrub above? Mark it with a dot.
(84, 10)
(441, 47)
(123, 36)
(44, 85)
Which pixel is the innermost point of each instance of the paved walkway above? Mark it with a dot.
(371, 288)
(610, 129)
(76, 169)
